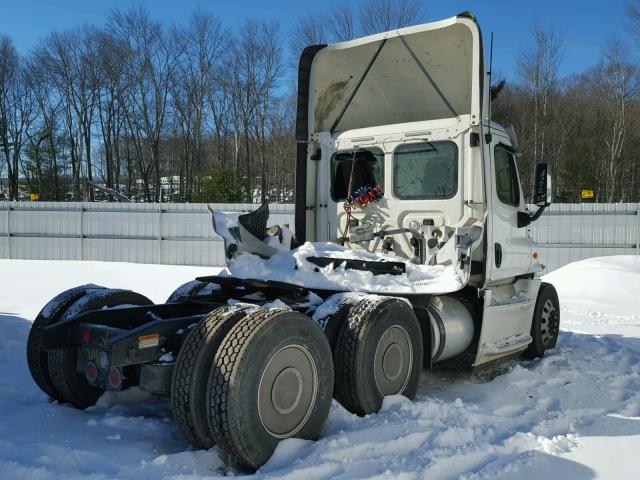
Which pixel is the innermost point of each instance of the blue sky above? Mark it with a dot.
(584, 24)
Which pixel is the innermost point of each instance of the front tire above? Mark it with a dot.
(545, 326)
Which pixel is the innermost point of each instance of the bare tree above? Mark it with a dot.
(538, 70)
(17, 111)
(382, 15)
(204, 44)
(282, 147)
(151, 59)
(69, 61)
(266, 74)
(632, 10)
(42, 157)
(220, 107)
(618, 82)
(8, 76)
(111, 71)
(341, 23)
(308, 29)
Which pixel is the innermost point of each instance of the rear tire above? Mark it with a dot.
(545, 326)
(191, 373)
(186, 290)
(379, 352)
(272, 378)
(72, 385)
(37, 358)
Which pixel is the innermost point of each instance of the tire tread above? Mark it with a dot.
(191, 371)
(38, 359)
(225, 372)
(350, 389)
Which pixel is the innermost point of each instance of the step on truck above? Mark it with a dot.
(410, 249)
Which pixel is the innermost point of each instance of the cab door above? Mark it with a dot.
(511, 247)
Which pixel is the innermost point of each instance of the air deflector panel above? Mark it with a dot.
(421, 73)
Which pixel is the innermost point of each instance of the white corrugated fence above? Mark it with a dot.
(568, 232)
(182, 234)
(171, 233)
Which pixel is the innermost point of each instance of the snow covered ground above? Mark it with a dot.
(573, 414)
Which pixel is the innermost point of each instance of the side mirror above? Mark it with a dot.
(542, 195)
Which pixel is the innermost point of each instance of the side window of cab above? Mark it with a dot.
(507, 185)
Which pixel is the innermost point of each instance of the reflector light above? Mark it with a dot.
(86, 335)
(115, 379)
(148, 341)
(91, 372)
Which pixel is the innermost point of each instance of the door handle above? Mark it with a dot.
(498, 255)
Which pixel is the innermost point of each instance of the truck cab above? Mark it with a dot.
(406, 113)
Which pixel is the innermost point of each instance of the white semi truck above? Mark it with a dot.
(410, 249)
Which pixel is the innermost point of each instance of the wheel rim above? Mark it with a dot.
(393, 361)
(548, 322)
(287, 391)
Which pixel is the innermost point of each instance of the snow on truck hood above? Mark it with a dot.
(293, 267)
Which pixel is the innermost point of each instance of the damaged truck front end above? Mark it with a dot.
(385, 129)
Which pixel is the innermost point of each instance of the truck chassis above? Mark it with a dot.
(240, 373)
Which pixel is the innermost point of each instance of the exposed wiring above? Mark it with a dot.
(346, 205)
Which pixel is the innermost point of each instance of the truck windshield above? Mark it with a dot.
(368, 171)
(425, 171)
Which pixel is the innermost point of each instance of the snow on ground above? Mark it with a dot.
(601, 294)
(26, 285)
(573, 414)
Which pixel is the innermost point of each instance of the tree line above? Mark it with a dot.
(203, 112)
(147, 109)
(191, 112)
(585, 126)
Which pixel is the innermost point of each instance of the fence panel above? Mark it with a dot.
(570, 232)
(182, 234)
(174, 234)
